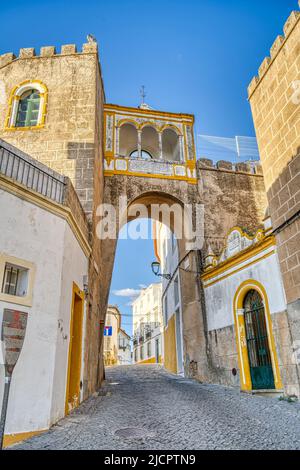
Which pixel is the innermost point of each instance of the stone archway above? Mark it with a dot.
(148, 192)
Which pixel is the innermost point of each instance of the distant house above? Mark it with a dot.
(116, 350)
(148, 343)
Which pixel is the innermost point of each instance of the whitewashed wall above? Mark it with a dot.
(219, 297)
(38, 386)
(169, 255)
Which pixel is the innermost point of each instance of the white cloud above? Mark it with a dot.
(131, 293)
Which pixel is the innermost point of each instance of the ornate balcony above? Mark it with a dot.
(147, 143)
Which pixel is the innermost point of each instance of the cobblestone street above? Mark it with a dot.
(166, 412)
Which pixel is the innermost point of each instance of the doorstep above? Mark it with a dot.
(273, 393)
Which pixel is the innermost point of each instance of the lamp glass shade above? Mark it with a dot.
(156, 267)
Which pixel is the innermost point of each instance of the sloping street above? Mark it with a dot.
(144, 407)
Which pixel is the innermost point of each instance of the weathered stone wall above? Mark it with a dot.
(275, 102)
(158, 191)
(232, 195)
(70, 142)
(224, 357)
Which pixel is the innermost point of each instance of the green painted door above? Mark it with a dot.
(257, 343)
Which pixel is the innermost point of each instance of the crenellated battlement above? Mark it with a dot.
(279, 42)
(222, 165)
(48, 51)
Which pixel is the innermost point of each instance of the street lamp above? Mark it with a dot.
(156, 271)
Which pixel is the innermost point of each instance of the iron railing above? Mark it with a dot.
(34, 176)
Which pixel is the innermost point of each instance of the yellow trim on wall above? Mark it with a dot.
(259, 235)
(124, 121)
(240, 330)
(176, 116)
(152, 360)
(240, 269)
(172, 127)
(11, 439)
(14, 97)
(75, 292)
(244, 255)
(170, 349)
(147, 175)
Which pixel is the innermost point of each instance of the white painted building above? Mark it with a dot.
(167, 253)
(148, 344)
(124, 348)
(43, 267)
(246, 314)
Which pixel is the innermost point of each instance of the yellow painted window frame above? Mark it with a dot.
(240, 330)
(14, 102)
(15, 299)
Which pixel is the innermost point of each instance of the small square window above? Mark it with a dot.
(15, 280)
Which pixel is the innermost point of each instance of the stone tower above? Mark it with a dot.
(67, 137)
(275, 102)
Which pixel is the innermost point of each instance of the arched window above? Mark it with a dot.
(144, 154)
(128, 139)
(170, 145)
(28, 109)
(150, 142)
(27, 106)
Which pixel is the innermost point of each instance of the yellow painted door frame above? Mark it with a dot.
(75, 350)
(240, 330)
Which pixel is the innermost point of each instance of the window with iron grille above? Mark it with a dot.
(176, 291)
(166, 308)
(15, 280)
(149, 349)
(28, 109)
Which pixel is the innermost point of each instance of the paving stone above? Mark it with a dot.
(174, 414)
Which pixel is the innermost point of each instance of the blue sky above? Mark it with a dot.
(194, 56)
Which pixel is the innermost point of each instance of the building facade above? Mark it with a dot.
(148, 345)
(117, 343)
(246, 318)
(43, 273)
(111, 336)
(124, 348)
(167, 253)
(52, 108)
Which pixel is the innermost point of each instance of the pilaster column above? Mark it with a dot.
(139, 143)
(117, 140)
(160, 145)
(181, 153)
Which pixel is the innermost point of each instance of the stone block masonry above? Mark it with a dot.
(275, 102)
(232, 195)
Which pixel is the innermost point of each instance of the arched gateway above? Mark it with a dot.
(150, 171)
